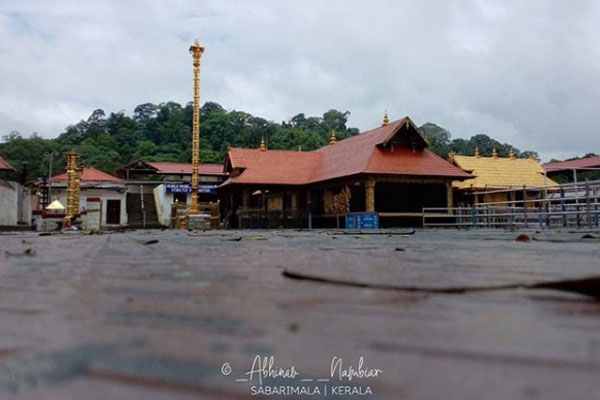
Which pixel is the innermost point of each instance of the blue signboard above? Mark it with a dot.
(179, 188)
(362, 221)
(368, 221)
(212, 189)
(351, 221)
(187, 188)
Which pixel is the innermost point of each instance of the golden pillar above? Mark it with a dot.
(72, 184)
(77, 187)
(370, 195)
(449, 196)
(196, 51)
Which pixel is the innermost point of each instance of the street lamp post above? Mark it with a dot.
(196, 51)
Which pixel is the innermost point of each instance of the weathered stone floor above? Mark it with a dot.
(111, 317)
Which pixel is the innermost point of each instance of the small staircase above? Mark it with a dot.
(135, 212)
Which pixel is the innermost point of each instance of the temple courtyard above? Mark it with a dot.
(398, 314)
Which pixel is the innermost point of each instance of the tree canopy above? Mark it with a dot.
(162, 132)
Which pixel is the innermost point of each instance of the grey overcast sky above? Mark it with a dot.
(525, 72)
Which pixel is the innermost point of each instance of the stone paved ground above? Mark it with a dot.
(112, 317)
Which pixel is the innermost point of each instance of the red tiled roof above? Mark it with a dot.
(89, 174)
(184, 168)
(272, 166)
(5, 166)
(592, 162)
(358, 154)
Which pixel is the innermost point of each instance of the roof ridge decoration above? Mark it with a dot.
(511, 154)
(332, 138)
(386, 120)
(263, 145)
(494, 153)
(476, 153)
(452, 156)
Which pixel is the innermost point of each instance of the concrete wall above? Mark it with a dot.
(9, 203)
(163, 202)
(25, 205)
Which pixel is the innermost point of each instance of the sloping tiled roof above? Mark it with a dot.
(184, 168)
(591, 162)
(272, 166)
(89, 174)
(358, 154)
(498, 173)
(5, 166)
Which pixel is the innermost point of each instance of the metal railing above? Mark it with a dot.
(565, 205)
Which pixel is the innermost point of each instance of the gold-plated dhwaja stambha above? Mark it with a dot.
(73, 184)
(196, 51)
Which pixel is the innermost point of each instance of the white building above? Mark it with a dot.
(15, 201)
(96, 187)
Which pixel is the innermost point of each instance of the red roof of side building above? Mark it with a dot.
(89, 174)
(272, 166)
(5, 165)
(385, 150)
(184, 168)
(591, 162)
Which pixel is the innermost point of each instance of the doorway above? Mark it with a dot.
(113, 212)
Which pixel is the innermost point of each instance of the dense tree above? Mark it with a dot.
(163, 133)
(441, 143)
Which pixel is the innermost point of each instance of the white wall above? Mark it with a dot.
(9, 204)
(104, 194)
(163, 202)
(25, 214)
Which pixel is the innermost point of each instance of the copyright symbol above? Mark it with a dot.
(226, 369)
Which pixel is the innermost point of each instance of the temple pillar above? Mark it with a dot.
(294, 198)
(245, 198)
(449, 197)
(370, 195)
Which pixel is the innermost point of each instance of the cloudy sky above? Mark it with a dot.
(524, 72)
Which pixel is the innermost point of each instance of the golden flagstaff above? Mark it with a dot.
(73, 184)
(196, 51)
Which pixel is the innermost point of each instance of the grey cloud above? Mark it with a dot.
(522, 72)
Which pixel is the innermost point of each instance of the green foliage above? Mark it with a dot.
(441, 143)
(163, 133)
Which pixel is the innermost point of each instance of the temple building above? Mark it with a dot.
(387, 170)
(497, 173)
